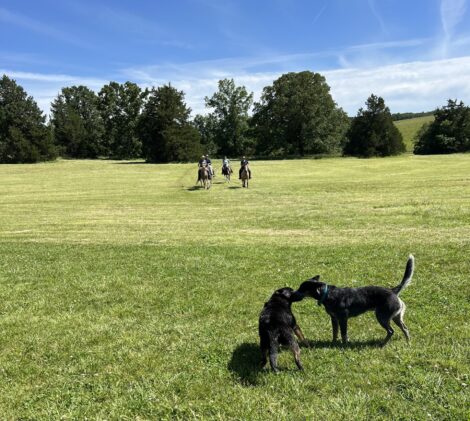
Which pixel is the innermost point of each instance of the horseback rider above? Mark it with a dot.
(202, 162)
(244, 162)
(226, 163)
(209, 165)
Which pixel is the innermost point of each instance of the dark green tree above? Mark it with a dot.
(24, 136)
(297, 116)
(207, 128)
(77, 123)
(164, 127)
(448, 133)
(372, 132)
(120, 106)
(229, 119)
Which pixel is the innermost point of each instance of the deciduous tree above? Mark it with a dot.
(297, 116)
(164, 127)
(229, 118)
(372, 132)
(77, 123)
(120, 106)
(24, 136)
(448, 133)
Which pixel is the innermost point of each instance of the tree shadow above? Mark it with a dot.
(134, 163)
(372, 343)
(245, 363)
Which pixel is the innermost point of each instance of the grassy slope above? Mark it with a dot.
(124, 292)
(410, 127)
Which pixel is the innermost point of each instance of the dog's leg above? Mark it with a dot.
(294, 346)
(273, 356)
(298, 332)
(399, 322)
(385, 323)
(335, 326)
(343, 324)
(264, 347)
(398, 319)
(264, 357)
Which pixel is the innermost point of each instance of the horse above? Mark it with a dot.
(245, 176)
(226, 171)
(203, 177)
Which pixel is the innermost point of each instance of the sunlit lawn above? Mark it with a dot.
(127, 293)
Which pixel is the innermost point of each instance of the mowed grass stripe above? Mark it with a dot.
(125, 293)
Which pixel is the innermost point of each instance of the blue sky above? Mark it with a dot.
(414, 53)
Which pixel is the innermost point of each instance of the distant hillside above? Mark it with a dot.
(410, 127)
(406, 116)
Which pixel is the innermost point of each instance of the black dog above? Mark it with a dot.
(342, 303)
(276, 327)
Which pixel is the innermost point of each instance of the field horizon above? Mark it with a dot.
(127, 292)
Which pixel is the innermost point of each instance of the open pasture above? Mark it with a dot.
(127, 293)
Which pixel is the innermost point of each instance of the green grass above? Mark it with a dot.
(126, 293)
(410, 127)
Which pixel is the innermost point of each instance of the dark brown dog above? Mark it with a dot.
(277, 326)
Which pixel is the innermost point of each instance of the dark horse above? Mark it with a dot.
(227, 171)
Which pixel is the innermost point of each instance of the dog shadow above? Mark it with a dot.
(245, 363)
(372, 343)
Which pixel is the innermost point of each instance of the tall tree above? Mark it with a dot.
(372, 132)
(448, 133)
(24, 136)
(297, 116)
(77, 123)
(120, 106)
(164, 127)
(231, 104)
(207, 127)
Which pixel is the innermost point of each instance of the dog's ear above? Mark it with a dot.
(315, 278)
(285, 292)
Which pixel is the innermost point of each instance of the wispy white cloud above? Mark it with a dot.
(452, 12)
(320, 12)
(25, 22)
(44, 87)
(377, 15)
(413, 86)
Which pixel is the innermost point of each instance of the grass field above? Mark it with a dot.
(410, 127)
(127, 293)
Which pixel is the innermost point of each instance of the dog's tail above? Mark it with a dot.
(410, 265)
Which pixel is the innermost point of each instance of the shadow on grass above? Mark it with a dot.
(234, 187)
(372, 343)
(134, 163)
(195, 188)
(245, 363)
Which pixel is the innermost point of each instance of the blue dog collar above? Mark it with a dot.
(323, 295)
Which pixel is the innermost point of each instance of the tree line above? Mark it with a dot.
(295, 116)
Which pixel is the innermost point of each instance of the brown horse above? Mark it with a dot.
(204, 178)
(227, 171)
(245, 176)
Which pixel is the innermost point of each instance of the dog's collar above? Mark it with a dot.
(323, 296)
